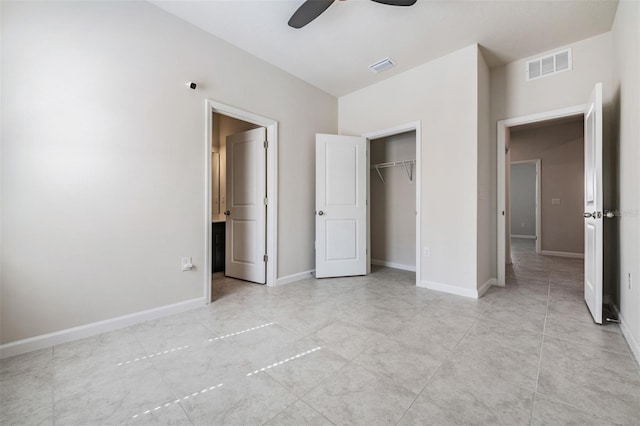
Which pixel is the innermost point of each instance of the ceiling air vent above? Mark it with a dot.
(381, 65)
(548, 65)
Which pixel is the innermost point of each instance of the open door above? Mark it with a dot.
(341, 206)
(593, 207)
(246, 210)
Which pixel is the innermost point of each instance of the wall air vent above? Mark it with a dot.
(381, 65)
(549, 65)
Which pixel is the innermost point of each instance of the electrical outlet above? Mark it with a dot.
(187, 264)
(427, 252)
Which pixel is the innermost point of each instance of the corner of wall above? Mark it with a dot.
(485, 218)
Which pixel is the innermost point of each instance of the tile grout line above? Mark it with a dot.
(318, 384)
(322, 381)
(437, 370)
(565, 403)
(298, 399)
(168, 386)
(544, 327)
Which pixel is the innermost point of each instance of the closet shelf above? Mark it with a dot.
(405, 163)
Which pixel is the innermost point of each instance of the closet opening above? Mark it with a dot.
(393, 200)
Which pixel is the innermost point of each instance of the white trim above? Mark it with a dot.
(296, 277)
(634, 345)
(70, 334)
(486, 286)
(502, 128)
(562, 254)
(447, 288)
(272, 186)
(393, 265)
(524, 237)
(403, 128)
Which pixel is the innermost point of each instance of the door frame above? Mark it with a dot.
(535, 161)
(212, 106)
(503, 127)
(417, 179)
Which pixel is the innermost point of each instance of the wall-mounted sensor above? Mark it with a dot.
(192, 85)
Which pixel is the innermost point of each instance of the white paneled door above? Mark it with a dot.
(593, 207)
(246, 209)
(341, 206)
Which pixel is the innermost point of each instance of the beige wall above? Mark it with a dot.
(626, 134)
(393, 203)
(103, 154)
(513, 96)
(442, 94)
(560, 148)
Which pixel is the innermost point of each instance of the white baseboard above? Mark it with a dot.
(484, 287)
(393, 265)
(295, 277)
(524, 237)
(447, 288)
(70, 334)
(626, 332)
(562, 254)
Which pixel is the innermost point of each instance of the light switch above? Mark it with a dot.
(187, 264)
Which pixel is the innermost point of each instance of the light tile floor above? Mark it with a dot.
(364, 350)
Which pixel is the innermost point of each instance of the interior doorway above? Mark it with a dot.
(555, 148)
(237, 155)
(505, 128)
(593, 196)
(524, 201)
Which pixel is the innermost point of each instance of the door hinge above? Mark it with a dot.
(266, 144)
(265, 258)
(266, 201)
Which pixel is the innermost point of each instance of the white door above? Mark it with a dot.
(246, 206)
(593, 238)
(341, 206)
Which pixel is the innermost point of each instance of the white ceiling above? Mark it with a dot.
(334, 51)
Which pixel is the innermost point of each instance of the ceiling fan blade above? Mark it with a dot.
(309, 11)
(397, 2)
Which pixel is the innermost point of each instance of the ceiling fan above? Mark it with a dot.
(311, 9)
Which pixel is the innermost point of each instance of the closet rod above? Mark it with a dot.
(405, 163)
(393, 164)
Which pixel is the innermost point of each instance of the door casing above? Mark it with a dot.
(417, 179)
(212, 106)
(502, 129)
